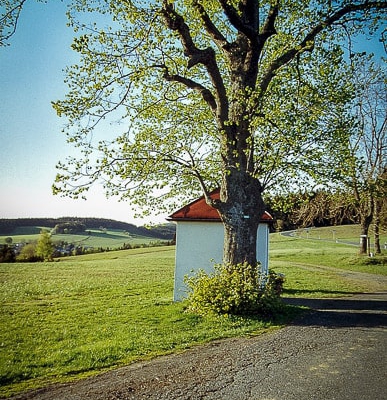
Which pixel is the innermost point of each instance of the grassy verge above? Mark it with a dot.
(315, 267)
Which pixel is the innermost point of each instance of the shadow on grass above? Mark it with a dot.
(362, 310)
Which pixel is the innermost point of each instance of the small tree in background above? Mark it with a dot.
(45, 247)
(6, 254)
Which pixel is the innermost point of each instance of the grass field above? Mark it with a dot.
(84, 314)
(307, 274)
(69, 319)
(96, 238)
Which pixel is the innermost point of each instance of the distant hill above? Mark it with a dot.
(162, 231)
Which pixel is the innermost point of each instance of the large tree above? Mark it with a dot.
(244, 95)
(368, 149)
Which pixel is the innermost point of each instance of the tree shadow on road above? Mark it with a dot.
(364, 310)
(315, 293)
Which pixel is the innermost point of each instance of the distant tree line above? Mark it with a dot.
(324, 208)
(319, 208)
(72, 227)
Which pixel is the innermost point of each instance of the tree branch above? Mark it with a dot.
(210, 27)
(268, 28)
(9, 20)
(206, 57)
(176, 22)
(242, 24)
(191, 84)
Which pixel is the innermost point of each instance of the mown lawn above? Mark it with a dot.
(85, 314)
(317, 249)
(300, 259)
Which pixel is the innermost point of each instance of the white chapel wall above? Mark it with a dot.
(263, 247)
(199, 245)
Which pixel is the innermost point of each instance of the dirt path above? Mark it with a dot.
(336, 351)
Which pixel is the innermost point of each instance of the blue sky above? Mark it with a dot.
(31, 143)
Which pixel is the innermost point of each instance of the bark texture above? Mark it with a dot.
(241, 211)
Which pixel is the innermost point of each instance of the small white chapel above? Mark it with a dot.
(200, 237)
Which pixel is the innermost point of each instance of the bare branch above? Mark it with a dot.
(8, 22)
(307, 43)
(191, 84)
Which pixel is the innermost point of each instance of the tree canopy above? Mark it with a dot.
(184, 77)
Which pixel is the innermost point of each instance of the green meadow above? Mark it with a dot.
(316, 266)
(111, 238)
(69, 319)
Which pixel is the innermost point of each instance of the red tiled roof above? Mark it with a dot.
(200, 210)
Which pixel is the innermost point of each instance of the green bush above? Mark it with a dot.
(235, 289)
(28, 253)
(375, 260)
(7, 254)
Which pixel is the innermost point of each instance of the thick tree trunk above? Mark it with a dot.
(364, 228)
(241, 212)
(378, 208)
(240, 241)
(366, 216)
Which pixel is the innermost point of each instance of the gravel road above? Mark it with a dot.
(337, 351)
